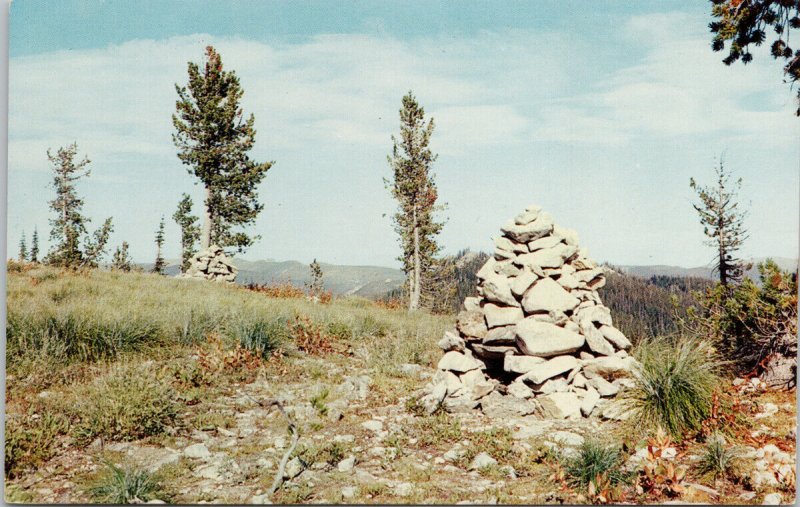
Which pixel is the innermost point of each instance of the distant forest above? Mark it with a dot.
(648, 307)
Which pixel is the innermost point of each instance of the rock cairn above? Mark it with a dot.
(538, 339)
(211, 264)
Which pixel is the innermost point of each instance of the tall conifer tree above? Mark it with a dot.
(159, 264)
(69, 223)
(23, 249)
(413, 186)
(723, 223)
(35, 246)
(213, 138)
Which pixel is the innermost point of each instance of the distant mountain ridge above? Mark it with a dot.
(784, 263)
(376, 281)
(367, 281)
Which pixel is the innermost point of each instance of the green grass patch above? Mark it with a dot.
(718, 459)
(128, 403)
(596, 461)
(124, 485)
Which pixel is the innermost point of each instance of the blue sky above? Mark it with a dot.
(599, 115)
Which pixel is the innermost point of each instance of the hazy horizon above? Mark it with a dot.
(600, 117)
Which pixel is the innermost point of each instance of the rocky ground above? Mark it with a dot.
(361, 440)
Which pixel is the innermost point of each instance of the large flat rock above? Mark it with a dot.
(550, 369)
(543, 339)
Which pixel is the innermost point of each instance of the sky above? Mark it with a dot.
(599, 112)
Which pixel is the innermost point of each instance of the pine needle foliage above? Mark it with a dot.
(121, 261)
(745, 23)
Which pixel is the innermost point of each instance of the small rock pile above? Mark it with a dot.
(211, 264)
(538, 339)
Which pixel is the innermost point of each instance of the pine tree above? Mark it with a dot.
(35, 246)
(190, 232)
(159, 264)
(121, 260)
(213, 139)
(723, 223)
(316, 287)
(69, 224)
(413, 187)
(23, 249)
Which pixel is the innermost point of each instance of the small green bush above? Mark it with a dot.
(127, 404)
(675, 384)
(719, 459)
(261, 337)
(318, 401)
(124, 486)
(594, 460)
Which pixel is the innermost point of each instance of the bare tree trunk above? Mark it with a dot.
(205, 236)
(415, 291)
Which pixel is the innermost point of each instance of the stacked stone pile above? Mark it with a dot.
(211, 264)
(538, 339)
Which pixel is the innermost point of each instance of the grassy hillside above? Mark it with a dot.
(100, 315)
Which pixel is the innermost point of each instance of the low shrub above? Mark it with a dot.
(675, 384)
(310, 337)
(262, 337)
(124, 486)
(128, 403)
(278, 290)
(596, 463)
